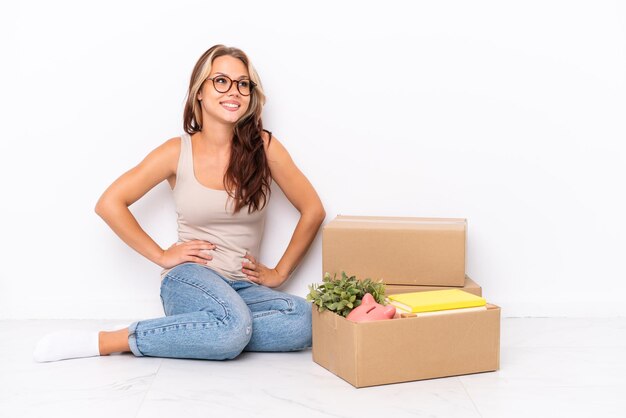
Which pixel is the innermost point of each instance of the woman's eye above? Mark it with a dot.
(221, 80)
(244, 83)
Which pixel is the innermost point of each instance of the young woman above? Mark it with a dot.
(217, 297)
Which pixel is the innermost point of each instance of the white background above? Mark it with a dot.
(510, 114)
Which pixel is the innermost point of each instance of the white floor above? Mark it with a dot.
(549, 367)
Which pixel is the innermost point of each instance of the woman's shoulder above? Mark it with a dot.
(267, 136)
(269, 139)
(172, 144)
(166, 154)
(274, 149)
(170, 149)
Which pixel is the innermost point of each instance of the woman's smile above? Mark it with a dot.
(231, 105)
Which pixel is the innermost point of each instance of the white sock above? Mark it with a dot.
(62, 345)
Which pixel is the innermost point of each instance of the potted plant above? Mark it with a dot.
(344, 294)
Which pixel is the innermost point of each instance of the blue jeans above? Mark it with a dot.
(214, 318)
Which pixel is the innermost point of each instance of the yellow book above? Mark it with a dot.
(435, 300)
(404, 314)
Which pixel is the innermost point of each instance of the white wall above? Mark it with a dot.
(510, 114)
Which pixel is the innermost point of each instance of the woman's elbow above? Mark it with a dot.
(319, 213)
(322, 214)
(104, 205)
(314, 214)
(100, 208)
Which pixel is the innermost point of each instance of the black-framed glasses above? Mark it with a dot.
(222, 84)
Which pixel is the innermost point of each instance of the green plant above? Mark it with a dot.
(343, 295)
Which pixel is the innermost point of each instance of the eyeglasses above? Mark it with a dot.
(222, 84)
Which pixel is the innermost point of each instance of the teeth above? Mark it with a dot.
(230, 105)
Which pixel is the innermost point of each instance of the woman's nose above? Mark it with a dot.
(233, 89)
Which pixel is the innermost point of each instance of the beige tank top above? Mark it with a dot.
(207, 214)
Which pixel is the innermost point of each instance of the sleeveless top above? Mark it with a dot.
(207, 214)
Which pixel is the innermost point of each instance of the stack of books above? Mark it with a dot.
(436, 302)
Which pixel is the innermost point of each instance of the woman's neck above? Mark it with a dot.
(217, 136)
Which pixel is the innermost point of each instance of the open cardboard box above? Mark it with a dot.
(402, 350)
(403, 251)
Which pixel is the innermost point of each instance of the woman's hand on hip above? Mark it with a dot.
(181, 252)
(260, 274)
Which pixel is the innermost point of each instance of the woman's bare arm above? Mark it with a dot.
(304, 198)
(113, 205)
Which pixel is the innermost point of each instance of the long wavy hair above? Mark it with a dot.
(247, 179)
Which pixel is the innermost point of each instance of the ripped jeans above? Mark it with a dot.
(214, 318)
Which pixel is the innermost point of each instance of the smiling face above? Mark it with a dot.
(226, 107)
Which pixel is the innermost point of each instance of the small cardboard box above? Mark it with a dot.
(407, 251)
(402, 350)
(470, 286)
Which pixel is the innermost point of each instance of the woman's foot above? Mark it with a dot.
(68, 344)
(63, 345)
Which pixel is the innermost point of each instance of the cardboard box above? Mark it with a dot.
(407, 251)
(402, 350)
(470, 286)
